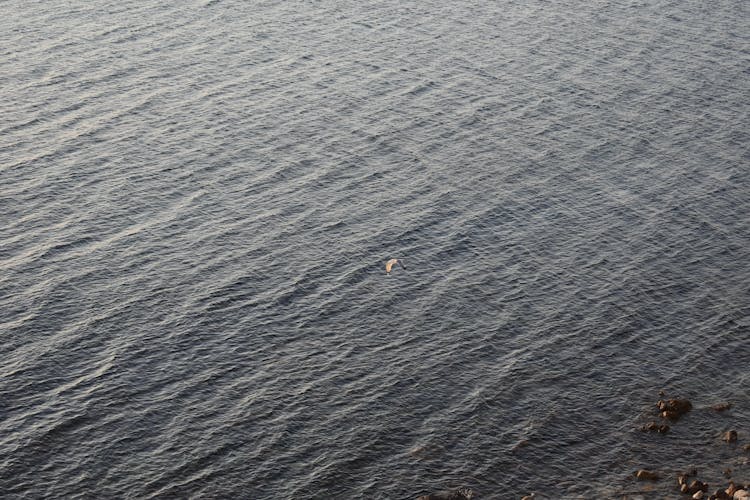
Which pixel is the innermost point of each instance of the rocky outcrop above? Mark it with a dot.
(719, 407)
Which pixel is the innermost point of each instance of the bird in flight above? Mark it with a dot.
(389, 265)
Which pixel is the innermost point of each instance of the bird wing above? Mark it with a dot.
(389, 265)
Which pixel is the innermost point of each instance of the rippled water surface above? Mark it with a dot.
(197, 199)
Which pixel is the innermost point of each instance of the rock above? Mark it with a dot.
(697, 486)
(727, 473)
(729, 436)
(730, 491)
(721, 407)
(673, 409)
(741, 495)
(654, 427)
(694, 486)
(746, 447)
(671, 415)
(698, 495)
(645, 475)
(521, 444)
(680, 406)
(459, 494)
(721, 495)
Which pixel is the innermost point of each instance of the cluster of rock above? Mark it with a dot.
(459, 494)
(698, 489)
(672, 410)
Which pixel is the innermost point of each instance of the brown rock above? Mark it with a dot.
(731, 489)
(698, 495)
(654, 427)
(645, 475)
(721, 495)
(746, 447)
(679, 405)
(727, 473)
(697, 486)
(670, 415)
(721, 407)
(729, 436)
(673, 409)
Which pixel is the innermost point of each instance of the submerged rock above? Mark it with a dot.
(425, 451)
(729, 436)
(697, 486)
(521, 444)
(721, 407)
(670, 415)
(459, 494)
(647, 475)
(673, 409)
(654, 427)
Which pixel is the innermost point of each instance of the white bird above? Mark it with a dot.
(389, 265)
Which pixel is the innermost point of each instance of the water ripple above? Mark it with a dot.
(196, 203)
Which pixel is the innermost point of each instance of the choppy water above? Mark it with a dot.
(197, 199)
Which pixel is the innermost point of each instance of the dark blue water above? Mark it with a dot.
(197, 201)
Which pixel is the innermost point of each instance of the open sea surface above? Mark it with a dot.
(197, 200)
